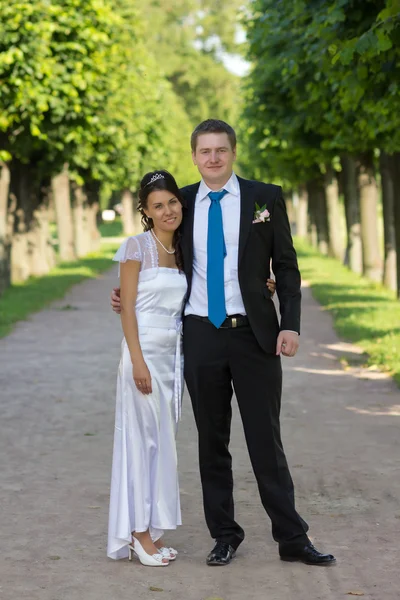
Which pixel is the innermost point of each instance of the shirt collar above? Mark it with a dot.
(231, 186)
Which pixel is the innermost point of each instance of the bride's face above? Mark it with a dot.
(165, 210)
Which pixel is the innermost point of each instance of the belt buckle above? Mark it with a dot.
(234, 322)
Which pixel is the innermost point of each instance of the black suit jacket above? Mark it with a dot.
(258, 244)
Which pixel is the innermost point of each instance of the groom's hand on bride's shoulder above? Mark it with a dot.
(287, 343)
(116, 300)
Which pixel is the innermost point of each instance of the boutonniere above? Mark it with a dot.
(262, 214)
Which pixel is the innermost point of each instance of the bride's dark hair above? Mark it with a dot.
(154, 181)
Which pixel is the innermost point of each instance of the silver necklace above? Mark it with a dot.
(161, 244)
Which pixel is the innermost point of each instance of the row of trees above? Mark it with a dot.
(323, 113)
(93, 94)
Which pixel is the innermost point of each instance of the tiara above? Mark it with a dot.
(155, 177)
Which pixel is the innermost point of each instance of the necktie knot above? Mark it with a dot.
(217, 196)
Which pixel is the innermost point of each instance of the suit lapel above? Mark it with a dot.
(247, 200)
(189, 195)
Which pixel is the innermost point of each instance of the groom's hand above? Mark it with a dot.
(287, 343)
(116, 300)
(271, 285)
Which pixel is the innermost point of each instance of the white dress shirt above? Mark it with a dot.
(230, 206)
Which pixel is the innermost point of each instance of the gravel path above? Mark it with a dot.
(341, 433)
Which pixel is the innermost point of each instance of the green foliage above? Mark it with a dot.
(363, 312)
(99, 85)
(186, 38)
(325, 80)
(78, 85)
(365, 51)
(53, 76)
(274, 125)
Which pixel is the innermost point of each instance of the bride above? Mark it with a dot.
(144, 484)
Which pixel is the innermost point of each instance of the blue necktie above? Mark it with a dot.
(216, 252)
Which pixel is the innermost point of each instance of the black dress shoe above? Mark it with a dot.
(310, 556)
(221, 555)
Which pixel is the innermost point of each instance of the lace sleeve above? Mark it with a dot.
(142, 248)
(129, 250)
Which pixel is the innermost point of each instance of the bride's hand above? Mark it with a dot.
(116, 300)
(142, 378)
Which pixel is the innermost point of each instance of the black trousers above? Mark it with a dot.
(216, 361)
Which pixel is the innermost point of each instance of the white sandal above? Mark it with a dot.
(169, 553)
(149, 560)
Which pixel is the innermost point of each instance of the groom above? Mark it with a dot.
(232, 229)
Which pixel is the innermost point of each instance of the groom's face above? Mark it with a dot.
(214, 157)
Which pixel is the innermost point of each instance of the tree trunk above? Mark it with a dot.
(20, 260)
(42, 255)
(301, 213)
(6, 227)
(95, 237)
(396, 172)
(62, 203)
(372, 264)
(387, 182)
(322, 221)
(80, 212)
(389, 265)
(312, 221)
(333, 209)
(316, 193)
(27, 196)
(353, 255)
(93, 196)
(128, 217)
(290, 212)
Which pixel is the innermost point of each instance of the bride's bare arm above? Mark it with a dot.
(129, 277)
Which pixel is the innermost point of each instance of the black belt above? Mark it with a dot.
(230, 322)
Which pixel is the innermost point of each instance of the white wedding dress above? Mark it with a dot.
(144, 482)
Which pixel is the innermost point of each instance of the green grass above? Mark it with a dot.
(111, 229)
(20, 300)
(364, 312)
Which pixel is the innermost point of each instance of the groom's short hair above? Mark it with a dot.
(213, 126)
